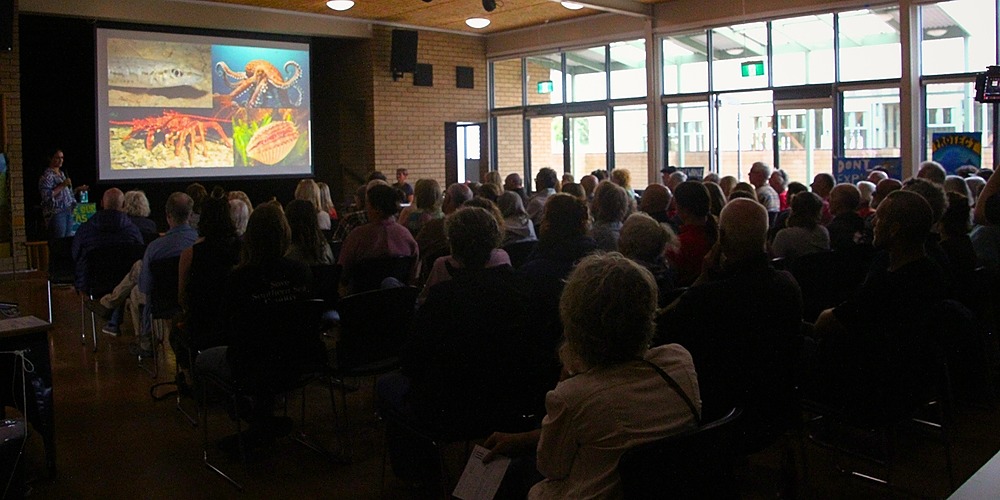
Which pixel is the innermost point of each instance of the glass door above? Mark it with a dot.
(805, 138)
(546, 146)
(745, 128)
(588, 145)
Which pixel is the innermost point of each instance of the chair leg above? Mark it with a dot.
(83, 322)
(206, 444)
(93, 329)
(48, 294)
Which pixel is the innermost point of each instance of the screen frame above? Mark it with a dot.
(105, 30)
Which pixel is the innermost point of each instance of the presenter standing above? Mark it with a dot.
(58, 197)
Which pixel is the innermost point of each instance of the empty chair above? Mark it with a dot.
(162, 302)
(693, 464)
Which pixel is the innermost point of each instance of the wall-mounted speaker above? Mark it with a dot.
(404, 52)
(6, 24)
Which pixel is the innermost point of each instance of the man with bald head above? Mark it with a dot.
(875, 348)
(655, 201)
(740, 321)
(760, 173)
(932, 171)
(110, 226)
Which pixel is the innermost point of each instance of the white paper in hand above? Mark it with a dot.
(481, 481)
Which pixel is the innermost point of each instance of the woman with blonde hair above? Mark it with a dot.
(308, 190)
(240, 195)
(326, 201)
(137, 208)
(426, 206)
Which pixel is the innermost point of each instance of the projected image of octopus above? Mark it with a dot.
(262, 84)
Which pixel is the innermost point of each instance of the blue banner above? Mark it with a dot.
(957, 149)
(854, 170)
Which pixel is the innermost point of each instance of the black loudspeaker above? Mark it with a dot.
(6, 24)
(404, 52)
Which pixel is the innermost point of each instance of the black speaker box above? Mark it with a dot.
(404, 51)
(6, 24)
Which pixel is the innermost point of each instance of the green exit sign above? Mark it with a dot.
(545, 87)
(753, 68)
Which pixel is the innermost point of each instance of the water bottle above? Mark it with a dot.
(84, 197)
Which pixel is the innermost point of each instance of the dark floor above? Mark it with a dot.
(114, 441)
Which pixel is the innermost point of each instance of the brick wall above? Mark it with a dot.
(409, 120)
(10, 90)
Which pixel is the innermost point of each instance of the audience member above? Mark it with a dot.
(976, 185)
(966, 171)
(665, 173)
(107, 227)
(432, 239)
(326, 201)
(137, 208)
(611, 206)
(308, 190)
(382, 236)
(600, 174)
(253, 358)
(198, 193)
(866, 190)
(404, 188)
(589, 184)
(623, 178)
(954, 228)
(427, 198)
(956, 184)
(779, 183)
(822, 185)
(727, 184)
(359, 217)
(567, 178)
(711, 177)
(760, 174)
(874, 351)
(847, 228)
(876, 176)
(489, 191)
(575, 189)
(932, 171)
(933, 194)
(442, 267)
(781, 219)
(240, 195)
(986, 236)
(517, 226)
(514, 183)
(743, 190)
(239, 212)
(804, 234)
(307, 244)
(716, 197)
(493, 177)
(698, 232)
(883, 188)
(545, 186)
(607, 364)
(675, 179)
(656, 200)
(562, 239)
(741, 321)
(644, 240)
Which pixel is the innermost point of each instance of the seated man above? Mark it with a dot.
(107, 227)
(847, 228)
(382, 236)
(740, 321)
(139, 282)
(874, 349)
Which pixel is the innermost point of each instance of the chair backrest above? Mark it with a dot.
(61, 265)
(693, 464)
(367, 274)
(278, 344)
(326, 283)
(520, 251)
(373, 325)
(106, 266)
(163, 298)
(828, 278)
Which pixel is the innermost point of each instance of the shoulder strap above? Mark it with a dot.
(676, 387)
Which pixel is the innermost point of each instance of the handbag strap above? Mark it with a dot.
(676, 387)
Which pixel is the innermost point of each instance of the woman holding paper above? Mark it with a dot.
(617, 393)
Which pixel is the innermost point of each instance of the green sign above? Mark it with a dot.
(753, 68)
(545, 87)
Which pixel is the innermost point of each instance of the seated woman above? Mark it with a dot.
(202, 273)
(517, 226)
(137, 208)
(382, 236)
(308, 190)
(562, 238)
(308, 245)
(612, 397)
(698, 231)
(644, 240)
(427, 198)
(611, 207)
(445, 266)
(264, 276)
(804, 234)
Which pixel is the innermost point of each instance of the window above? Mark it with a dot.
(586, 75)
(687, 134)
(628, 69)
(510, 145)
(951, 108)
(745, 131)
(803, 50)
(871, 123)
(739, 57)
(958, 36)
(685, 63)
(544, 79)
(632, 143)
(869, 44)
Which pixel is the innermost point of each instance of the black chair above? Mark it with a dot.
(282, 352)
(162, 303)
(106, 266)
(519, 252)
(427, 264)
(373, 327)
(693, 464)
(61, 265)
(368, 274)
(326, 284)
(829, 278)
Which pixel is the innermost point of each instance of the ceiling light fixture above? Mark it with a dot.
(735, 51)
(477, 22)
(936, 32)
(340, 5)
(571, 5)
(490, 5)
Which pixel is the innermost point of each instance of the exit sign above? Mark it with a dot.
(545, 87)
(753, 68)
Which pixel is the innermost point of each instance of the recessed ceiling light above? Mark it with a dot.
(571, 5)
(477, 22)
(340, 5)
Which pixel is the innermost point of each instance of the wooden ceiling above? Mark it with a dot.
(450, 15)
